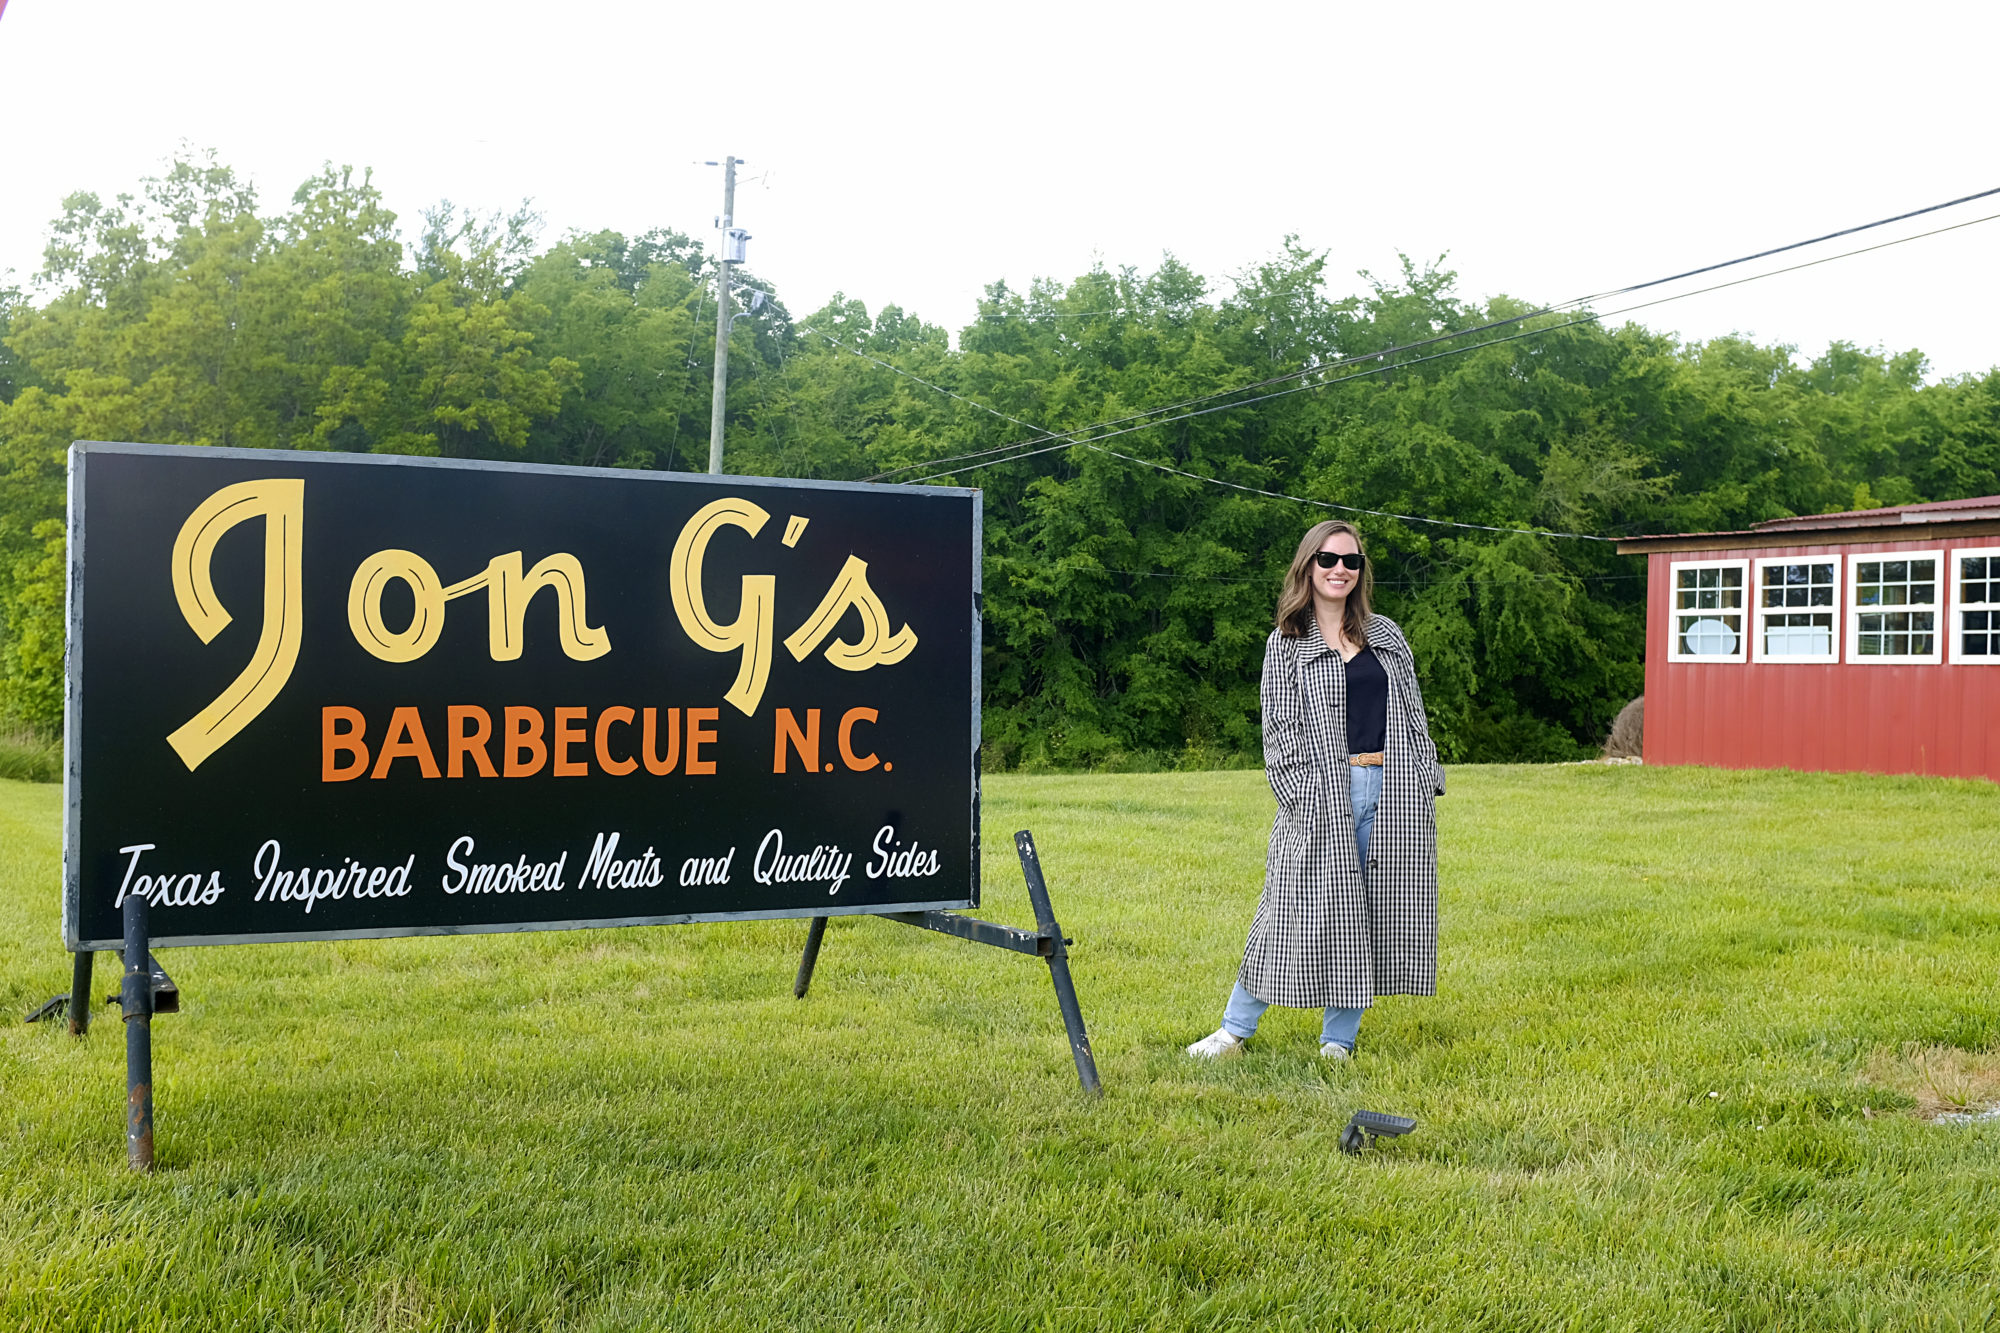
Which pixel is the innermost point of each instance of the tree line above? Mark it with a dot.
(1126, 606)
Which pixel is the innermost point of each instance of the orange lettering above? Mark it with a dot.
(465, 743)
(406, 740)
(658, 767)
(616, 767)
(524, 735)
(699, 736)
(847, 756)
(806, 743)
(568, 734)
(336, 741)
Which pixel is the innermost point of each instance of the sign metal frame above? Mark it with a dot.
(144, 982)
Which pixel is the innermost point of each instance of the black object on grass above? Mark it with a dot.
(1366, 1126)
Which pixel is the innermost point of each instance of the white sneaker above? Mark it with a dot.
(1333, 1050)
(1216, 1044)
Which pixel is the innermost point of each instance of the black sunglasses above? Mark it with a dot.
(1328, 559)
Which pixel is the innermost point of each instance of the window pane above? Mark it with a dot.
(1923, 569)
(1798, 640)
(1895, 571)
(1822, 596)
(1709, 636)
(1972, 566)
(1894, 594)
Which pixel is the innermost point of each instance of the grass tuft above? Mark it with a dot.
(1939, 1080)
(26, 756)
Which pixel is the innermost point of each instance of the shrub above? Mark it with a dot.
(28, 756)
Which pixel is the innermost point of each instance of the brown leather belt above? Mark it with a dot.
(1366, 760)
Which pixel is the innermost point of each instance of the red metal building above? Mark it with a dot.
(1865, 641)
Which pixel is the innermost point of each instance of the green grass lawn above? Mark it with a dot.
(1687, 1022)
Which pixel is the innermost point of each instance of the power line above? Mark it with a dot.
(1215, 481)
(1830, 236)
(1464, 333)
(1225, 407)
(1054, 314)
(1346, 509)
(1794, 268)
(1045, 432)
(1525, 577)
(1301, 388)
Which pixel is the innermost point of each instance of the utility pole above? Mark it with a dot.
(719, 401)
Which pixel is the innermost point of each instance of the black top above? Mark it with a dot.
(1367, 704)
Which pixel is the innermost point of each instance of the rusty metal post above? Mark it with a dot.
(1058, 959)
(79, 994)
(136, 995)
(815, 933)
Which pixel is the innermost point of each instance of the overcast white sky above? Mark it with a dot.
(912, 153)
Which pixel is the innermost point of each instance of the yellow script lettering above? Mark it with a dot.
(280, 502)
(876, 647)
(364, 606)
(750, 632)
(508, 593)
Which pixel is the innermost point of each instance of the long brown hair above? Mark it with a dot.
(1295, 601)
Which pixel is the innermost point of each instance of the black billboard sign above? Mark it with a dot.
(316, 696)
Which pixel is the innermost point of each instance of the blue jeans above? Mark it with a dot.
(1341, 1026)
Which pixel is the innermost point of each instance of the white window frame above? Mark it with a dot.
(1941, 607)
(1742, 653)
(1836, 625)
(1958, 656)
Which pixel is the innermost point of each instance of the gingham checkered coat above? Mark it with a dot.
(1327, 932)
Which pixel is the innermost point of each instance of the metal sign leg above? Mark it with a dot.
(815, 934)
(136, 993)
(1045, 942)
(1058, 958)
(79, 994)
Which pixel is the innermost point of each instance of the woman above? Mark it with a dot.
(1350, 883)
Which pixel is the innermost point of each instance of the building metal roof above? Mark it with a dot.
(1918, 522)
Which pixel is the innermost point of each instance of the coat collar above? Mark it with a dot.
(1381, 634)
(1312, 643)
